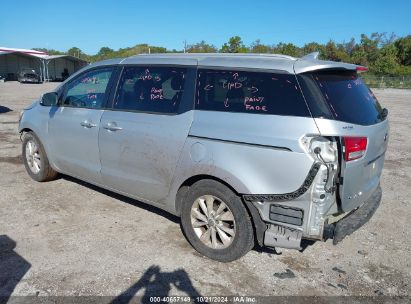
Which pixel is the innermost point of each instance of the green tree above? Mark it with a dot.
(234, 45)
(258, 47)
(386, 61)
(201, 47)
(143, 48)
(49, 51)
(105, 52)
(157, 49)
(330, 51)
(74, 51)
(370, 46)
(342, 53)
(287, 49)
(349, 47)
(359, 56)
(336, 52)
(403, 46)
(313, 47)
(382, 53)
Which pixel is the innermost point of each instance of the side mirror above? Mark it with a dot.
(384, 113)
(49, 99)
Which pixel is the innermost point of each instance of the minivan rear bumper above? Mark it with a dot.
(353, 220)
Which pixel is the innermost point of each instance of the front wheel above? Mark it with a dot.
(216, 222)
(35, 159)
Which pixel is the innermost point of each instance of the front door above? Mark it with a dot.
(142, 137)
(74, 125)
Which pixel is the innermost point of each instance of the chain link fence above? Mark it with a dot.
(398, 82)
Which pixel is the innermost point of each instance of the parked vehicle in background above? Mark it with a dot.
(28, 75)
(246, 149)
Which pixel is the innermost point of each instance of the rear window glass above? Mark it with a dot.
(250, 92)
(346, 97)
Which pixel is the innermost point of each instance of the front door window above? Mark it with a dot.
(88, 90)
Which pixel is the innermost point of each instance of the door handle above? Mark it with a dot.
(87, 124)
(112, 126)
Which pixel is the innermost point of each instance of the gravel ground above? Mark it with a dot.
(69, 238)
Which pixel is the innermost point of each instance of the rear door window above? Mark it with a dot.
(250, 92)
(344, 95)
(150, 89)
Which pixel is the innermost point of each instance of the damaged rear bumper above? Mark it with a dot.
(354, 220)
(282, 236)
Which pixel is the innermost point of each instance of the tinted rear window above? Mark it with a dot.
(250, 92)
(341, 95)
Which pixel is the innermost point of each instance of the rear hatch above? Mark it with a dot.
(344, 107)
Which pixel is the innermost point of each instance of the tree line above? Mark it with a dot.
(382, 53)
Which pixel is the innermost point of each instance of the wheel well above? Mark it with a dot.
(25, 130)
(258, 224)
(183, 189)
(22, 131)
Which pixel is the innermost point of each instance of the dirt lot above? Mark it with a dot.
(69, 238)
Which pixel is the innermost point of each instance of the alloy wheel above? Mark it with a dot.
(33, 156)
(213, 222)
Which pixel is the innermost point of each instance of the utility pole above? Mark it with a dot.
(185, 45)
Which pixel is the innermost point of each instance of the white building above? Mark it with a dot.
(49, 67)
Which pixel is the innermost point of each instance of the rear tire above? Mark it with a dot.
(216, 222)
(35, 159)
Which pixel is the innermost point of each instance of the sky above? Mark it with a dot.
(92, 24)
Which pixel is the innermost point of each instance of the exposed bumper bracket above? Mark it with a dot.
(283, 237)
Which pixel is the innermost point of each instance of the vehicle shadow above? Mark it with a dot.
(158, 284)
(124, 199)
(4, 109)
(269, 250)
(305, 244)
(12, 268)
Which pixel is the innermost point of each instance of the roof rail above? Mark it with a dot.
(313, 55)
(216, 55)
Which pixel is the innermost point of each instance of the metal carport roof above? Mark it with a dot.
(42, 56)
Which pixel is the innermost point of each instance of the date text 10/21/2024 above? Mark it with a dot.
(203, 299)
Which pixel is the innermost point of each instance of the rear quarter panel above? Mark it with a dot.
(253, 153)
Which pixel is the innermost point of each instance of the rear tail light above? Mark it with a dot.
(354, 147)
(361, 68)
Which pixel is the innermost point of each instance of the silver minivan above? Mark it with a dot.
(246, 149)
